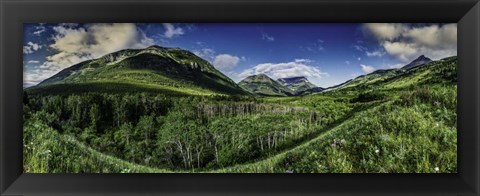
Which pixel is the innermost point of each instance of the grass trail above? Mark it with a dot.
(265, 165)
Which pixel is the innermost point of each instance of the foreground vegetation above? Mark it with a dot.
(402, 122)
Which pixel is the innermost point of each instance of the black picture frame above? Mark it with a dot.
(14, 13)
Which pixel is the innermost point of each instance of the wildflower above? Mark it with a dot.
(289, 171)
(377, 151)
(437, 169)
(333, 145)
(286, 164)
(343, 141)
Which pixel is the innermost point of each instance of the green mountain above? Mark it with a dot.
(154, 68)
(263, 85)
(404, 77)
(299, 85)
(421, 60)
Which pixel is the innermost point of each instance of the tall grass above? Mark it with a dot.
(47, 151)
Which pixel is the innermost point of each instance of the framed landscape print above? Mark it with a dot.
(235, 98)
(240, 98)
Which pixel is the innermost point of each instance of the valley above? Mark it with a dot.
(161, 110)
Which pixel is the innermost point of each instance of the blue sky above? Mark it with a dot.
(327, 54)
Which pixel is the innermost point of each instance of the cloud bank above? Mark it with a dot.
(367, 68)
(31, 47)
(172, 31)
(299, 67)
(225, 61)
(406, 42)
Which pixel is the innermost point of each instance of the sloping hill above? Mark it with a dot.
(433, 71)
(165, 68)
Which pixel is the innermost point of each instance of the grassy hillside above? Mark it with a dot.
(117, 87)
(157, 66)
(406, 135)
(442, 71)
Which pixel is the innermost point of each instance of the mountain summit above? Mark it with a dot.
(421, 60)
(153, 67)
(298, 85)
(263, 85)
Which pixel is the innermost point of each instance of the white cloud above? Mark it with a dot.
(70, 25)
(367, 68)
(33, 62)
(347, 62)
(31, 47)
(359, 47)
(34, 77)
(359, 59)
(222, 62)
(401, 50)
(356, 74)
(395, 66)
(76, 44)
(267, 37)
(303, 61)
(434, 35)
(407, 42)
(284, 70)
(39, 29)
(205, 53)
(172, 31)
(374, 53)
(225, 61)
(364, 49)
(385, 31)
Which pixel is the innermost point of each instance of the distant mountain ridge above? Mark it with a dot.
(298, 85)
(292, 80)
(180, 70)
(263, 85)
